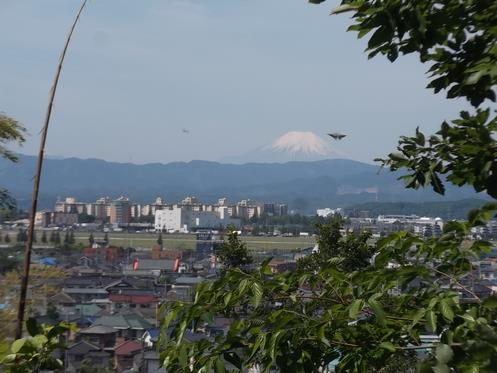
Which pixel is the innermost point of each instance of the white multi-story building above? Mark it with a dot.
(181, 219)
(329, 212)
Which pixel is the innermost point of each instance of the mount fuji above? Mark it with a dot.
(291, 146)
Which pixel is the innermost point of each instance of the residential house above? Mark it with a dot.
(99, 335)
(149, 267)
(82, 295)
(128, 326)
(85, 353)
(125, 353)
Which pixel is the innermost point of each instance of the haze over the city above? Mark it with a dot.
(161, 81)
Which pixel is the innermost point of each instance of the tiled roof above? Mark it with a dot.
(62, 298)
(82, 348)
(151, 264)
(84, 291)
(130, 321)
(88, 309)
(185, 280)
(98, 329)
(128, 348)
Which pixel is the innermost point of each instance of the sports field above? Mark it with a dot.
(178, 241)
(188, 241)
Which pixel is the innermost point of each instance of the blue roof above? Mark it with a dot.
(48, 261)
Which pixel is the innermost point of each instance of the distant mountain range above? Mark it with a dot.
(304, 186)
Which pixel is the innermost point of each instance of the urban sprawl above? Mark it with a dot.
(113, 293)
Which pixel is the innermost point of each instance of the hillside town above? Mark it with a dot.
(115, 294)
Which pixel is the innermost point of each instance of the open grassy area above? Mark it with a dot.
(178, 241)
(188, 241)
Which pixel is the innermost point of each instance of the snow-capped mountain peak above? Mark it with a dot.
(305, 143)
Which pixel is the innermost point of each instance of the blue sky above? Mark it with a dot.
(236, 73)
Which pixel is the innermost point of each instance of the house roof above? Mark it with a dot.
(62, 298)
(82, 348)
(119, 283)
(185, 280)
(130, 321)
(98, 329)
(128, 291)
(151, 264)
(133, 299)
(128, 348)
(89, 281)
(88, 309)
(84, 291)
(154, 334)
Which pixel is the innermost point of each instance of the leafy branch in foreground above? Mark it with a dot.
(10, 131)
(302, 322)
(36, 353)
(363, 319)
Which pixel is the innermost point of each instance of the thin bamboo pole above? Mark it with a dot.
(36, 184)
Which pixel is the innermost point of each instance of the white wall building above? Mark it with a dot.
(329, 212)
(181, 219)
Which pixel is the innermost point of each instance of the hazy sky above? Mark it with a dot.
(235, 73)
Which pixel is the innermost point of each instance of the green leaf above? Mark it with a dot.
(17, 345)
(355, 307)
(431, 321)
(341, 9)
(387, 346)
(182, 356)
(33, 327)
(38, 341)
(441, 368)
(418, 316)
(468, 317)
(257, 293)
(443, 353)
(243, 285)
(490, 302)
(446, 310)
(377, 309)
(227, 298)
(219, 366)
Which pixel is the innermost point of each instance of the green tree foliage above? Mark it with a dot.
(351, 251)
(35, 354)
(8, 262)
(369, 319)
(458, 39)
(233, 253)
(302, 321)
(57, 238)
(85, 218)
(10, 131)
(52, 237)
(44, 237)
(21, 235)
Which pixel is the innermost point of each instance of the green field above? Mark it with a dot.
(180, 241)
(188, 241)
